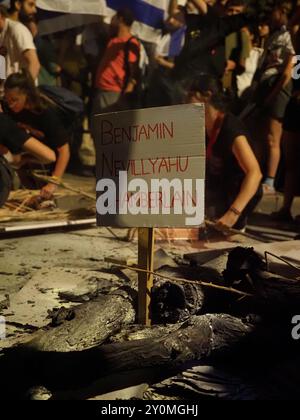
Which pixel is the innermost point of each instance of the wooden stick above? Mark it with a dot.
(232, 231)
(75, 190)
(58, 183)
(23, 206)
(146, 261)
(204, 284)
(280, 259)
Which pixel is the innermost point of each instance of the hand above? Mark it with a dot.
(47, 191)
(231, 65)
(229, 220)
(160, 60)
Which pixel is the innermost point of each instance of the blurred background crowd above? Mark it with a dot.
(239, 57)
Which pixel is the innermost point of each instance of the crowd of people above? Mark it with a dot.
(242, 64)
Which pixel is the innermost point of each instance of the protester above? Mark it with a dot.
(291, 138)
(200, 17)
(168, 48)
(203, 52)
(264, 31)
(245, 79)
(118, 73)
(274, 90)
(22, 145)
(22, 10)
(237, 48)
(38, 117)
(17, 46)
(233, 174)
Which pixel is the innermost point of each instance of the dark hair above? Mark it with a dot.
(126, 15)
(205, 84)
(236, 3)
(13, 5)
(285, 6)
(24, 82)
(3, 11)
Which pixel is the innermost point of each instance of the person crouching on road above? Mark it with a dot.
(22, 146)
(233, 178)
(38, 117)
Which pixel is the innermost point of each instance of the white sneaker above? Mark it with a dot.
(268, 190)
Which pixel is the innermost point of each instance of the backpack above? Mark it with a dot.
(143, 61)
(70, 106)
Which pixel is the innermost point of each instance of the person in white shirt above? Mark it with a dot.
(17, 46)
(245, 79)
(22, 10)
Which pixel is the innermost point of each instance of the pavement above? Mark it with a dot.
(36, 269)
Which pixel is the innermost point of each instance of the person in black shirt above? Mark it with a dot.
(17, 141)
(233, 174)
(37, 116)
(203, 52)
(204, 49)
(291, 134)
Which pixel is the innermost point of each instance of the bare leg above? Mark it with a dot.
(274, 140)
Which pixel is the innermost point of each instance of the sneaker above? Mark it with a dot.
(268, 190)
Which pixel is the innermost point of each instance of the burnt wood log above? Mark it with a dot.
(272, 294)
(197, 339)
(205, 339)
(139, 332)
(176, 302)
(89, 324)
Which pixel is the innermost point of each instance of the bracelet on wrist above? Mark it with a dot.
(235, 211)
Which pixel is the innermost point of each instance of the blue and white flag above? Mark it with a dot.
(58, 15)
(150, 14)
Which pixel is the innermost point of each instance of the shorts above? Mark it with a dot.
(291, 122)
(278, 107)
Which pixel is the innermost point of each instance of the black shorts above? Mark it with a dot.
(291, 122)
(277, 109)
(11, 136)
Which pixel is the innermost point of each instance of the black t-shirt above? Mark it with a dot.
(196, 23)
(205, 53)
(223, 170)
(47, 123)
(212, 61)
(11, 136)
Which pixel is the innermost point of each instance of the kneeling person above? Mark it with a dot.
(38, 117)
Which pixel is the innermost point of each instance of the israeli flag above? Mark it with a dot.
(58, 15)
(150, 14)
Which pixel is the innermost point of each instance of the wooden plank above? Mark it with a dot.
(146, 262)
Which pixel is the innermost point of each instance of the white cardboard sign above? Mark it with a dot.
(151, 167)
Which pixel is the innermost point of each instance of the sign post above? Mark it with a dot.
(146, 260)
(150, 174)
